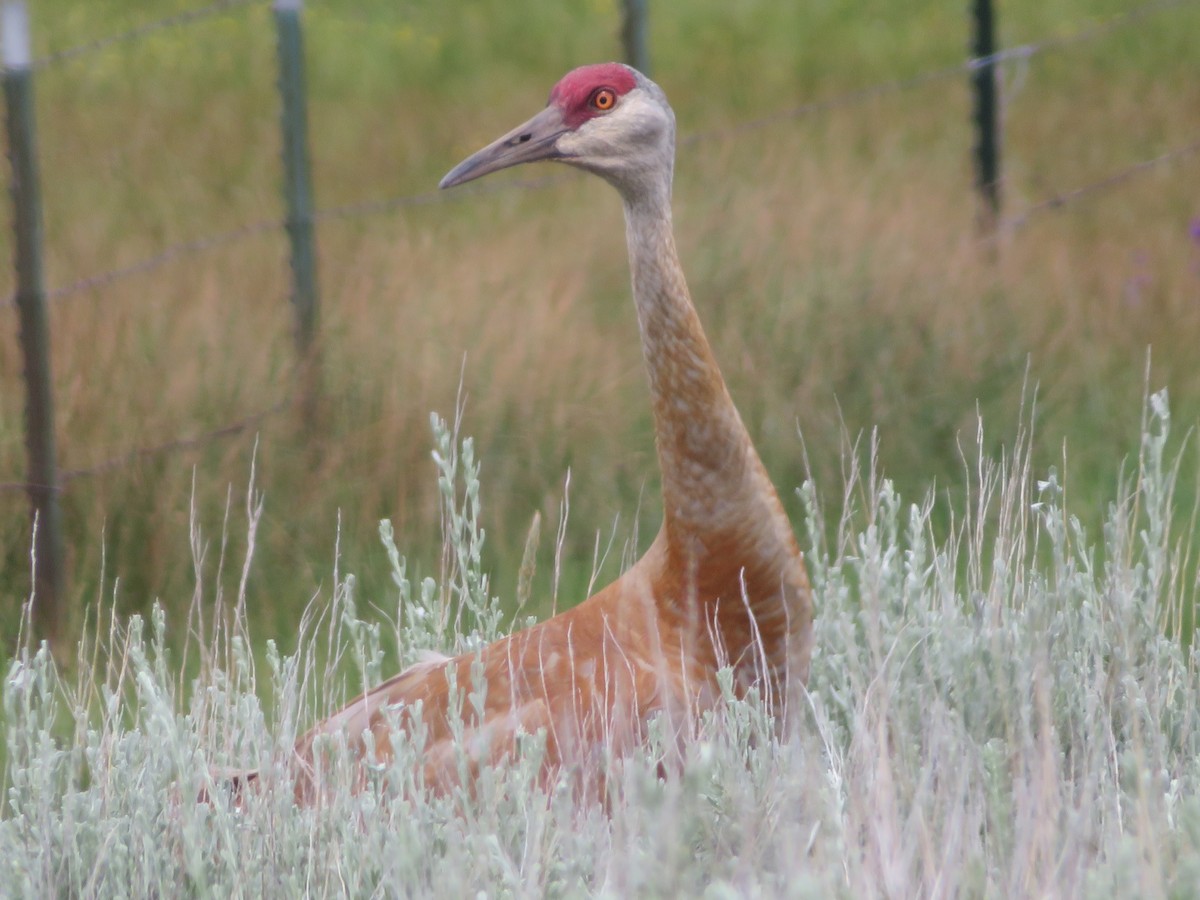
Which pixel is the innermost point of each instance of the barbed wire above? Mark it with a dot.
(1081, 36)
(428, 198)
(857, 96)
(236, 235)
(1019, 53)
(168, 255)
(191, 16)
(192, 442)
(825, 104)
(137, 32)
(379, 207)
(174, 252)
(1084, 191)
(1008, 225)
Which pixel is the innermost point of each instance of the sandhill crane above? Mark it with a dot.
(723, 582)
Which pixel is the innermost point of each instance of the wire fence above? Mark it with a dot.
(142, 31)
(1100, 185)
(141, 454)
(174, 252)
(856, 97)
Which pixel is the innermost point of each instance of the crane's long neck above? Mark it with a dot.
(709, 467)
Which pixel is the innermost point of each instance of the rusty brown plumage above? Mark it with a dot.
(723, 582)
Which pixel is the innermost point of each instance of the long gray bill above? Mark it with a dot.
(529, 142)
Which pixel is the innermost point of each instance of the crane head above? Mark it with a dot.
(607, 118)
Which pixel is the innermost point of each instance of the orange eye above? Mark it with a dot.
(604, 99)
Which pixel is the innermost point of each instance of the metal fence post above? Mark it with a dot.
(49, 575)
(987, 112)
(633, 34)
(297, 188)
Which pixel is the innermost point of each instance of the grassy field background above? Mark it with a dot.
(833, 258)
(1002, 700)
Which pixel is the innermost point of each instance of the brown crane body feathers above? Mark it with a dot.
(723, 583)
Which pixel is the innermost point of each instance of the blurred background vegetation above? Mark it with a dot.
(834, 258)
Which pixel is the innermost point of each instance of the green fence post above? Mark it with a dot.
(987, 112)
(48, 574)
(297, 188)
(633, 34)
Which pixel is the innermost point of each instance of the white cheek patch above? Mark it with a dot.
(635, 122)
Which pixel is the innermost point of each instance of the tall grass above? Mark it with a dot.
(1000, 708)
(833, 259)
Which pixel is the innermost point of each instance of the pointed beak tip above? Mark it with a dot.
(451, 178)
(535, 140)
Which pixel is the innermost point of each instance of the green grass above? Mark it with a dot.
(1003, 709)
